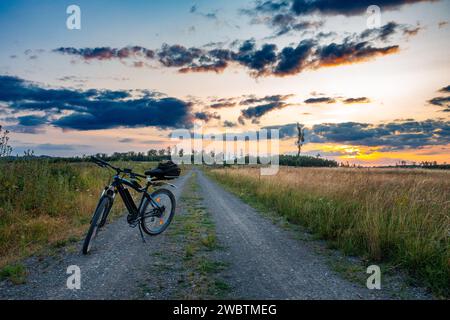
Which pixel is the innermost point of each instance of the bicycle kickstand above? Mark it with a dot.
(142, 235)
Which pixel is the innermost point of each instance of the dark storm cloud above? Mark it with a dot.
(91, 109)
(392, 135)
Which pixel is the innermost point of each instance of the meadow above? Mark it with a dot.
(397, 216)
(47, 205)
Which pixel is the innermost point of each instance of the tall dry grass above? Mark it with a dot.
(43, 204)
(399, 216)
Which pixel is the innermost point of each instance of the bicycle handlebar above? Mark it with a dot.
(104, 164)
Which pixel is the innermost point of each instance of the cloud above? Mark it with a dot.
(177, 55)
(346, 8)
(442, 24)
(445, 89)
(206, 116)
(294, 60)
(222, 105)
(356, 100)
(216, 67)
(264, 105)
(91, 109)
(32, 121)
(285, 23)
(229, 124)
(397, 135)
(208, 15)
(248, 100)
(382, 33)
(349, 53)
(263, 60)
(330, 100)
(442, 101)
(260, 110)
(107, 53)
(320, 100)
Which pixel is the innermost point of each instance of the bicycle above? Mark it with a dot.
(153, 220)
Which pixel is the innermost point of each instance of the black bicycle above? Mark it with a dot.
(154, 212)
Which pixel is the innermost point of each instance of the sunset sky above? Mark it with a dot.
(137, 70)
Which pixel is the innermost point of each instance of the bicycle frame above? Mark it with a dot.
(118, 186)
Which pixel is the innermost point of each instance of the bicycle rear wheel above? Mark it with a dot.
(156, 224)
(102, 208)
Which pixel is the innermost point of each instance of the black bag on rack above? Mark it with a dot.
(166, 170)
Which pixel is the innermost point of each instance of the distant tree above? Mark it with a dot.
(28, 153)
(152, 153)
(5, 148)
(181, 153)
(162, 152)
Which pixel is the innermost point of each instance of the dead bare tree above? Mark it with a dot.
(300, 138)
(5, 148)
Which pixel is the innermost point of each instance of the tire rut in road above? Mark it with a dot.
(266, 262)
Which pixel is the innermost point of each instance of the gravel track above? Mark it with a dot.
(264, 260)
(268, 262)
(114, 269)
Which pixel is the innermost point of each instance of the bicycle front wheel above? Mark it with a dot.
(157, 220)
(102, 208)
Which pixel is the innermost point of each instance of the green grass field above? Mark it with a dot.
(401, 217)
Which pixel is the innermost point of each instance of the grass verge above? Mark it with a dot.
(398, 217)
(190, 255)
(45, 205)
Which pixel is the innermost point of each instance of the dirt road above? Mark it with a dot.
(113, 270)
(264, 260)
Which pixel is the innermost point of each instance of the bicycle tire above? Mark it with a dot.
(163, 227)
(96, 218)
